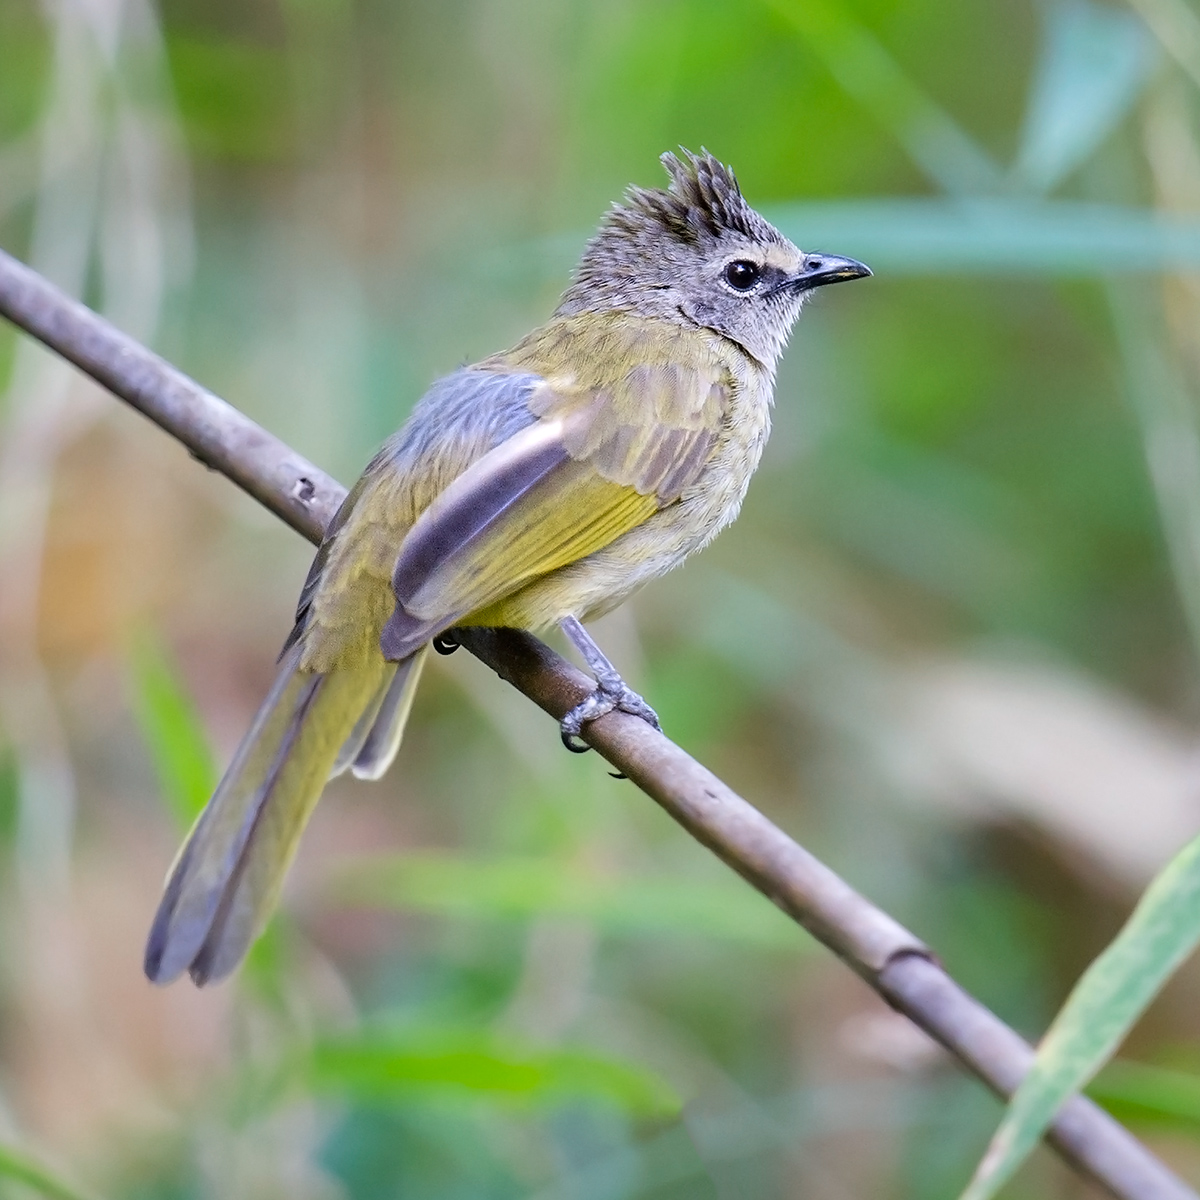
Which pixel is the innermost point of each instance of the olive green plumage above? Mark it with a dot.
(545, 483)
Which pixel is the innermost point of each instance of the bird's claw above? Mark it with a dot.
(573, 742)
(611, 694)
(445, 643)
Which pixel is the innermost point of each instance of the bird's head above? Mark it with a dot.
(697, 252)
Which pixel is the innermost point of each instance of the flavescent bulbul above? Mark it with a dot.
(539, 487)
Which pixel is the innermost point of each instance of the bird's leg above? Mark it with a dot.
(611, 690)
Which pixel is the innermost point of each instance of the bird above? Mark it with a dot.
(541, 486)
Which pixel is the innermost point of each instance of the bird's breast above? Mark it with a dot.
(715, 499)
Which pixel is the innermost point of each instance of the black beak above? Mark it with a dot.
(820, 269)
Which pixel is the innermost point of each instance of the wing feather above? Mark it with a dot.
(596, 464)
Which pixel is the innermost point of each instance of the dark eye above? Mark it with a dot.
(742, 274)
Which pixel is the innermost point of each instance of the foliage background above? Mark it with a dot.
(950, 645)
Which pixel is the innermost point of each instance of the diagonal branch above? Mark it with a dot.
(890, 958)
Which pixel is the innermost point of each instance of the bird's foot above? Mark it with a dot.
(612, 694)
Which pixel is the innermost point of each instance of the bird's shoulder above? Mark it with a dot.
(617, 350)
(642, 399)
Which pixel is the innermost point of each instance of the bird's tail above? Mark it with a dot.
(226, 879)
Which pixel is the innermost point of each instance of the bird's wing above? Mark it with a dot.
(347, 598)
(597, 463)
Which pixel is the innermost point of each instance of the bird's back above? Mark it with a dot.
(348, 596)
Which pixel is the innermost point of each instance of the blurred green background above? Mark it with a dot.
(950, 645)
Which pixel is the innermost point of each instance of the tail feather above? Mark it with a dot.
(351, 747)
(228, 875)
(243, 903)
(377, 750)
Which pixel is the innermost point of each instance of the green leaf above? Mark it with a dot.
(1113, 992)
(395, 1067)
(1095, 61)
(19, 1167)
(994, 235)
(171, 727)
(523, 888)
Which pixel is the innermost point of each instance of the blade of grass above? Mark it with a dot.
(1170, 437)
(1108, 999)
(521, 888)
(993, 235)
(1177, 28)
(1095, 62)
(171, 728)
(19, 1167)
(379, 1066)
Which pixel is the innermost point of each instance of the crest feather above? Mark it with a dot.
(702, 201)
(655, 236)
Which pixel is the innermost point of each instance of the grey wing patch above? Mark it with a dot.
(472, 406)
(463, 512)
(699, 438)
(683, 467)
(474, 501)
(469, 407)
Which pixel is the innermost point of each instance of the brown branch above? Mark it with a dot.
(891, 959)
